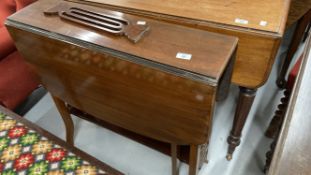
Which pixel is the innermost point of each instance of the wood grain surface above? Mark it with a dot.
(160, 45)
(154, 104)
(297, 9)
(143, 87)
(257, 48)
(162, 105)
(217, 11)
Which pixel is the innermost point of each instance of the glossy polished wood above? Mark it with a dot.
(273, 12)
(297, 9)
(245, 101)
(259, 25)
(164, 39)
(141, 87)
(78, 75)
(123, 93)
(104, 22)
(258, 45)
(292, 154)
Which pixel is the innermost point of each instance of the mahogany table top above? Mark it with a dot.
(265, 15)
(160, 46)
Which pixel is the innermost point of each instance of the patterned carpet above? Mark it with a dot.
(25, 151)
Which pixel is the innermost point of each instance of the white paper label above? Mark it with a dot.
(142, 23)
(184, 56)
(241, 21)
(263, 23)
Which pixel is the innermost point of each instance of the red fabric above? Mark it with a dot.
(23, 3)
(17, 80)
(7, 7)
(6, 43)
(293, 74)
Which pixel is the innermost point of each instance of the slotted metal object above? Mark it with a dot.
(100, 21)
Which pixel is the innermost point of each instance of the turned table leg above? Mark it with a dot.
(277, 125)
(244, 105)
(297, 37)
(64, 112)
(269, 155)
(278, 116)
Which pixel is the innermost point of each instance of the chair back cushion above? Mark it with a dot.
(6, 43)
(22, 3)
(17, 80)
(7, 7)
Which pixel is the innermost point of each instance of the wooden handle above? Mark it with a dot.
(100, 21)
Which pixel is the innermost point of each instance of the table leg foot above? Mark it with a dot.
(229, 157)
(281, 82)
